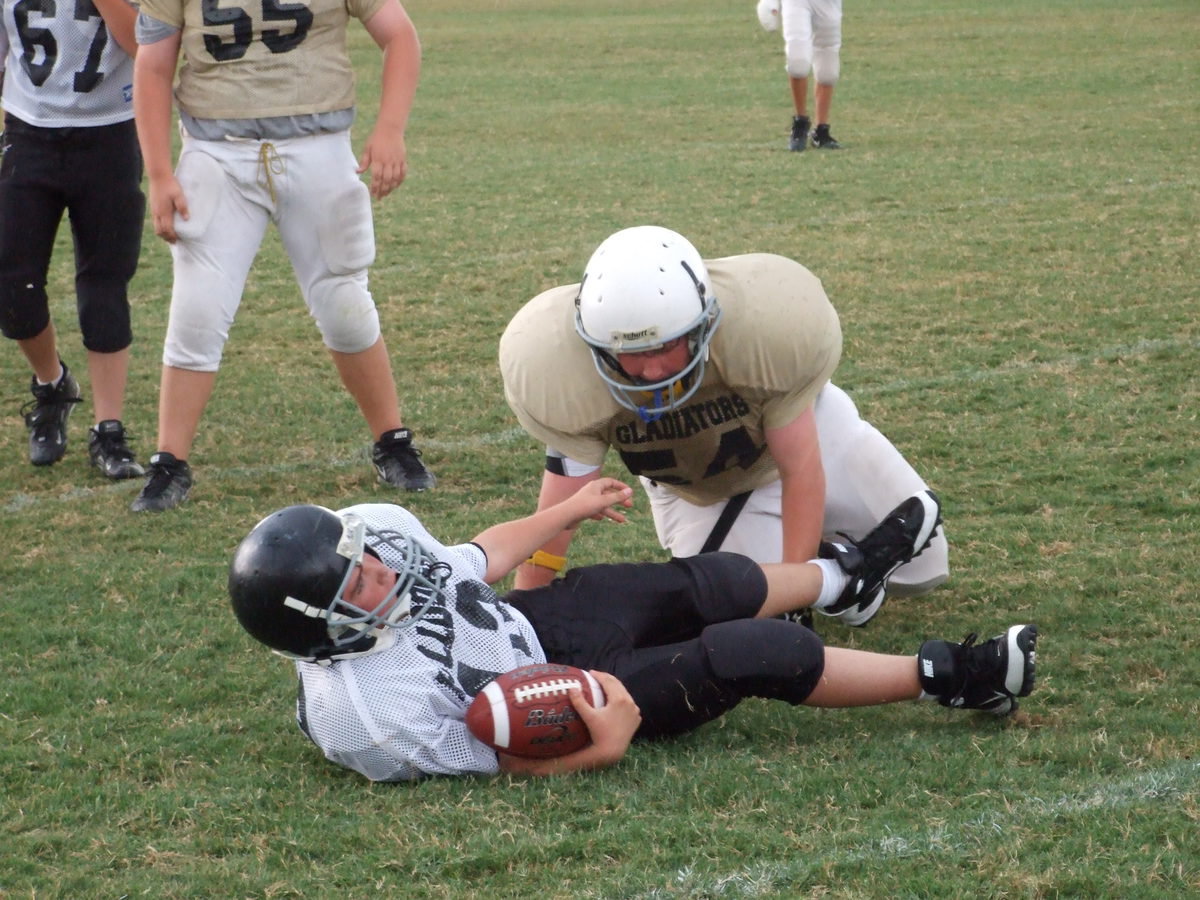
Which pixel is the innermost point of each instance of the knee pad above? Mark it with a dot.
(771, 658)
(799, 56)
(347, 236)
(24, 309)
(345, 313)
(827, 65)
(104, 316)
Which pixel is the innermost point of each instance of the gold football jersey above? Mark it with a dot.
(249, 59)
(778, 344)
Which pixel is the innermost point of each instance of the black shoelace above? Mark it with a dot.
(36, 411)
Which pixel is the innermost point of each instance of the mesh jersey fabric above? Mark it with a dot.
(398, 714)
(62, 70)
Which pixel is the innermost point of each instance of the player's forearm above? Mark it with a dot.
(803, 512)
(511, 543)
(797, 452)
(588, 759)
(554, 490)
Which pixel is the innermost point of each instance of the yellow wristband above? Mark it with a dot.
(547, 561)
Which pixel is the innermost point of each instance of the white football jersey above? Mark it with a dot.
(62, 68)
(398, 714)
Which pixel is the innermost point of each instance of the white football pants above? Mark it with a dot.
(309, 188)
(812, 38)
(865, 479)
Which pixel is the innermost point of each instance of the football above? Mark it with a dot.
(526, 712)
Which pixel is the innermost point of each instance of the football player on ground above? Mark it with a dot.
(711, 380)
(266, 99)
(69, 146)
(394, 633)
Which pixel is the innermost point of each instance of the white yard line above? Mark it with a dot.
(1170, 784)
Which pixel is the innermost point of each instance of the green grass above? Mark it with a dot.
(1011, 240)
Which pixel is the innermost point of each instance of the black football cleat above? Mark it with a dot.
(398, 462)
(46, 417)
(168, 481)
(108, 451)
(799, 139)
(823, 140)
(988, 676)
(898, 539)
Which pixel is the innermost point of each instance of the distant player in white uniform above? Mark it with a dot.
(69, 147)
(394, 633)
(711, 380)
(266, 98)
(812, 43)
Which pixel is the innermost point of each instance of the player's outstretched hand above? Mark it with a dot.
(596, 499)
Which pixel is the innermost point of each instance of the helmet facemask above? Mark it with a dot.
(420, 584)
(652, 400)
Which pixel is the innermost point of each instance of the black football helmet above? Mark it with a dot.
(288, 578)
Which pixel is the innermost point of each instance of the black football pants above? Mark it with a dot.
(679, 635)
(94, 175)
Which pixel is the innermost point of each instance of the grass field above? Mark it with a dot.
(1011, 238)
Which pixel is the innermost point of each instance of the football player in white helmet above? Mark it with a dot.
(266, 100)
(714, 388)
(394, 633)
(69, 146)
(647, 296)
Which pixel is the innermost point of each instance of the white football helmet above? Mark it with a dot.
(642, 288)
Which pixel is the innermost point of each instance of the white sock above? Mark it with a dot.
(832, 585)
(57, 378)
